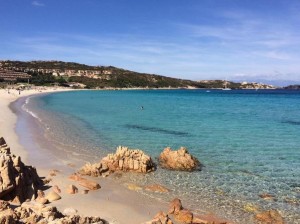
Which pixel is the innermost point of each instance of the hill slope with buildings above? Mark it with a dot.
(85, 76)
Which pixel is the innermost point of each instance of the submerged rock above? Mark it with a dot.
(178, 160)
(18, 182)
(156, 188)
(270, 217)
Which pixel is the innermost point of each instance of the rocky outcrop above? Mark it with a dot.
(178, 214)
(178, 160)
(18, 182)
(124, 159)
(33, 212)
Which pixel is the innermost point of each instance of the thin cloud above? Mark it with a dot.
(38, 4)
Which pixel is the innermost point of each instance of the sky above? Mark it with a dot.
(239, 40)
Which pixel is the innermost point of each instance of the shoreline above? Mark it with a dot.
(112, 202)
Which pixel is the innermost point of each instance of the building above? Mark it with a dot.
(12, 76)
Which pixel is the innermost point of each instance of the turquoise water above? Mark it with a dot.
(248, 141)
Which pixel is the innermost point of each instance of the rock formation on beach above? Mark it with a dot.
(178, 160)
(124, 159)
(178, 214)
(18, 182)
(33, 212)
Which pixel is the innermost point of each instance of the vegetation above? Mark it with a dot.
(103, 76)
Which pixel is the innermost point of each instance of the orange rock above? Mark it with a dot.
(52, 196)
(84, 191)
(178, 160)
(53, 172)
(89, 184)
(184, 216)
(56, 189)
(76, 177)
(175, 206)
(161, 218)
(72, 189)
(270, 217)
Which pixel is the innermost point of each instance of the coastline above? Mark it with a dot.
(112, 202)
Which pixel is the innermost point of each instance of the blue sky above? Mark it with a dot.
(192, 39)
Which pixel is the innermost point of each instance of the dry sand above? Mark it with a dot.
(112, 202)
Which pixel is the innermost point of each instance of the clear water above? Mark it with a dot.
(248, 141)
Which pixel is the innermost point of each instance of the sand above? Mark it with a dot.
(113, 202)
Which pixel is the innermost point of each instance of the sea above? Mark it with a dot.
(248, 142)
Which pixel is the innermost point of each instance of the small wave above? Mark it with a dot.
(153, 129)
(29, 111)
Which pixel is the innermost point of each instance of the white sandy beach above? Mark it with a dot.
(112, 202)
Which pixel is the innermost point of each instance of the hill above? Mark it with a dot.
(81, 75)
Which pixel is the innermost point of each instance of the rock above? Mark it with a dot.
(56, 189)
(267, 196)
(270, 217)
(47, 181)
(76, 177)
(41, 197)
(133, 187)
(161, 218)
(184, 216)
(53, 172)
(93, 170)
(84, 191)
(42, 200)
(124, 159)
(198, 220)
(52, 196)
(18, 182)
(175, 206)
(250, 207)
(157, 188)
(3, 204)
(7, 215)
(70, 211)
(89, 184)
(178, 160)
(72, 189)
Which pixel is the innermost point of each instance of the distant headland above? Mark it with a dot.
(59, 73)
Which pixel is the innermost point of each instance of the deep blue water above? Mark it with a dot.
(247, 140)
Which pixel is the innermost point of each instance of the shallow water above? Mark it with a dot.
(248, 141)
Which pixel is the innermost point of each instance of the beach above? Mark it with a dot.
(205, 193)
(112, 202)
